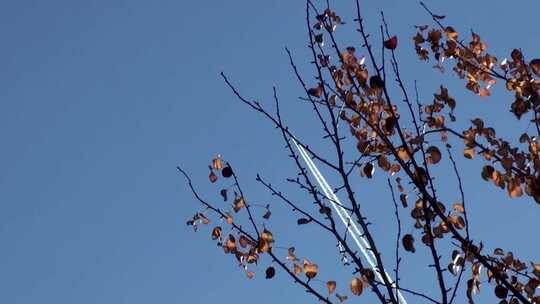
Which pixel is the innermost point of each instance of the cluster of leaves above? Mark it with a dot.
(358, 97)
(471, 61)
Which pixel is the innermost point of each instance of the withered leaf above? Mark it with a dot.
(243, 241)
(216, 233)
(356, 286)
(458, 208)
(408, 243)
(391, 43)
(535, 66)
(212, 177)
(403, 199)
(368, 170)
(216, 163)
(310, 269)
(501, 292)
(227, 171)
(239, 203)
(331, 285)
(297, 269)
(229, 219)
(376, 82)
(267, 236)
(223, 193)
(341, 298)
(270, 272)
(267, 214)
(469, 153)
(303, 221)
(434, 155)
(316, 92)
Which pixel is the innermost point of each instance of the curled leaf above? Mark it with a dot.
(391, 43)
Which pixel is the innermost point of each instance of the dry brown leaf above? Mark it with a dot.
(331, 285)
(356, 286)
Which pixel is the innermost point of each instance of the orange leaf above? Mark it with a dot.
(356, 286)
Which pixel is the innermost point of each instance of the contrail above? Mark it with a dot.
(356, 234)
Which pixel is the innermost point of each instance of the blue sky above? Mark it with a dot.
(100, 101)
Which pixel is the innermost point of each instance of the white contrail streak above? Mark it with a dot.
(355, 232)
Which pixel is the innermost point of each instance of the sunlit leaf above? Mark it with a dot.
(297, 269)
(458, 208)
(356, 286)
(216, 163)
(243, 241)
(239, 203)
(267, 236)
(469, 153)
(310, 269)
(229, 219)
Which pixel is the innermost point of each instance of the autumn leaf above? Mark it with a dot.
(303, 221)
(434, 155)
(267, 236)
(297, 269)
(316, 92)
(501, 292)
(408, 243)
(229, 219)
(368, 170)
(270, 272)
(310, 269)
(341, 298)
(216, 233)
(216, 163)
(391, 43)
(356, 286)
(331, 285)
(458, 208)
(212, 177)
(227, 171)
(469, 153)
(239, 203)
(535, 66)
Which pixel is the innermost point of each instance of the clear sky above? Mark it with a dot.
(100, 100)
